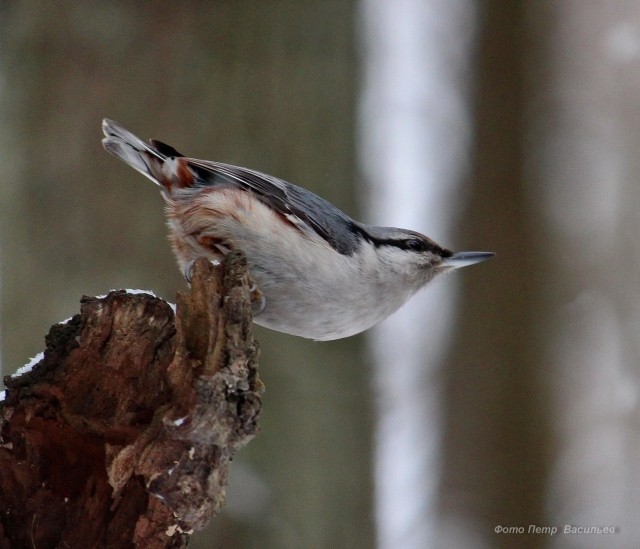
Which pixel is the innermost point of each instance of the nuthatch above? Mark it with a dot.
(322, 274)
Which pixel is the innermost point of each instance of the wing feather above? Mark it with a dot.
(301, 207)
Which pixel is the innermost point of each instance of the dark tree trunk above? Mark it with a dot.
(121, 436)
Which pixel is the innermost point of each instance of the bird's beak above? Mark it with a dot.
(464, 259)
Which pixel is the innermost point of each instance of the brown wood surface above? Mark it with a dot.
(121, 436)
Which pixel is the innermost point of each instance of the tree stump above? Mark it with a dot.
(122, 434)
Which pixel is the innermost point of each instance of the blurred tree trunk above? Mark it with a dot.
(584, 173)
(414, 150)
(268, 85)
(555, 189)
(497, 434)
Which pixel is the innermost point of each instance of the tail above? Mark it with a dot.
(146, 158)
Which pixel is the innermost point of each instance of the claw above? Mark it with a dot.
(258, 301)
(188, 270)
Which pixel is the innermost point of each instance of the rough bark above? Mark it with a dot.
(121, 436)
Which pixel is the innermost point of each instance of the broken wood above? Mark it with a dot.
(121, 436)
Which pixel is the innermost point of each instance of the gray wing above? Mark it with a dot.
(295, 203)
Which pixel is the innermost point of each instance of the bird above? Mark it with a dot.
(322, 275)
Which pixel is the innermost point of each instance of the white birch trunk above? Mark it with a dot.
(414, 140)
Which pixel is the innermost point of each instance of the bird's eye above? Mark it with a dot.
(415, 245)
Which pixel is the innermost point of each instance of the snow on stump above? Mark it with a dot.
(121, 436)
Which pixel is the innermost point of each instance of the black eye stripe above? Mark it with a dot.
(412, 244)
